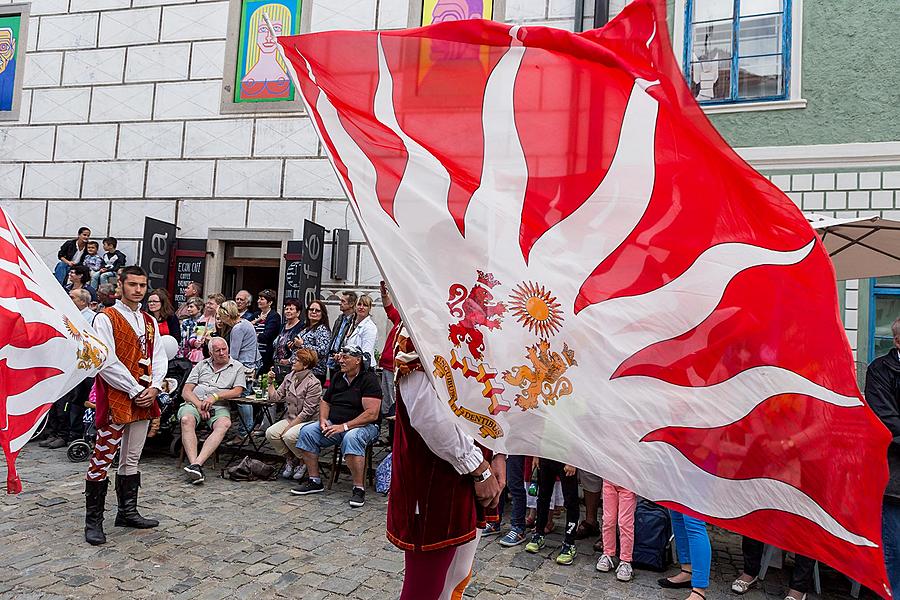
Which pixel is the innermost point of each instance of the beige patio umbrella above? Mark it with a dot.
(860, 247)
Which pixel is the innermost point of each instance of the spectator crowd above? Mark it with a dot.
(337, 390)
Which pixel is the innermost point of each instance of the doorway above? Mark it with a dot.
(251, 266)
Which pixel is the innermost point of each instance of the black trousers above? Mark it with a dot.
(65, 418)
(548, 471)
(801, 578)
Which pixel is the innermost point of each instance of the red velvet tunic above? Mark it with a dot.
(431, 506)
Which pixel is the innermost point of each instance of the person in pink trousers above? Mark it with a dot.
(618, 506)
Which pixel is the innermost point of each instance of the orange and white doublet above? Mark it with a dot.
(136, 361)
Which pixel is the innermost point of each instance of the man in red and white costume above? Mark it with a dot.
(444, 487)
(126, 401)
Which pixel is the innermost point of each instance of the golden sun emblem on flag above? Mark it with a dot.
(536, 309)
(92, 352)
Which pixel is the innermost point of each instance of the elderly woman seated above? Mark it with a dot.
(300, 391)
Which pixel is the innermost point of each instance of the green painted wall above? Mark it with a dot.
(850, 80)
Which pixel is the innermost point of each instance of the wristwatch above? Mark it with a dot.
(483, 476)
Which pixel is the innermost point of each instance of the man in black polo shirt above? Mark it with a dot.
(348, 415)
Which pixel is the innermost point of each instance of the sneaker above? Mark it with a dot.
(537, 542)
(50, 440)
(566, 554)
(357, 497)
(492, 528)
(513, 537)
(288, 471)
(606, 563)
(299, 473)
(309, 487)
(624, 572)
(195, 472)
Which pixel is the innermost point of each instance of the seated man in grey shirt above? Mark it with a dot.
(211, 383)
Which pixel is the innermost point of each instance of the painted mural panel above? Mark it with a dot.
(260, 74)
(10, 36)
(439, 11)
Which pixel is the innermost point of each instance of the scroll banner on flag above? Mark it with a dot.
(46, 345)
(594, 276)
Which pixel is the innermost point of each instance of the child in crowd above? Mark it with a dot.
(94, 262)
(113, 260)
(188, 348)
(548, 471)
(618, 505)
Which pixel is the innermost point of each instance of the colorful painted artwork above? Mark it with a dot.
(9, 42)
(439, 11)
(261, 75)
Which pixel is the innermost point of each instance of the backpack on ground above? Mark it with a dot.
(652, 532)
(250, 469)
(383, 475)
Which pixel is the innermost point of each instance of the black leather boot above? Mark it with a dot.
(127, 493)
(94, 503)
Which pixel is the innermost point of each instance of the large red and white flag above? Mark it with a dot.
(594, 276)
(46, 345)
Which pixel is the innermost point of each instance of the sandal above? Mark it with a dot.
(586, 530)
(667, 583)
(741, 587)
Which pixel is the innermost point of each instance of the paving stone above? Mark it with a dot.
(226, 540)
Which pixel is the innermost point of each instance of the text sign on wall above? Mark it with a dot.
(156, 251)
(190, 265)
(313, 247)
(293, 271)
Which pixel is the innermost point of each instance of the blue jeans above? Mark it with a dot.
(515, 491)
(61, 271)
(890, 526)
(692, 544)
(353, 442)
(246, 423)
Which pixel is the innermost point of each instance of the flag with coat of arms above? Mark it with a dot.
(593, 275)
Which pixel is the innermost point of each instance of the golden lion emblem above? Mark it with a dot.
(89, 354)
(544, 379)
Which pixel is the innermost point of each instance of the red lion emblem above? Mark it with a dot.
(475, 308)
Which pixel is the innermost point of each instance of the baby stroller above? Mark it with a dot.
(79, 450)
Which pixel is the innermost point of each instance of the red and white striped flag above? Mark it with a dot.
(46, 346)
(594, 276)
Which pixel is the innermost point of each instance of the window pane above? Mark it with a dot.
(711, 80)
(890, 281)
(711, 10)
(760, 77)
(887, 308)
(760, 7)
(712, 41)
(760, 35)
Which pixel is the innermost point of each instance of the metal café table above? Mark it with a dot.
(249, 445)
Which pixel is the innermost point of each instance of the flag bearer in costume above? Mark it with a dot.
(126, 401)
(443, 487)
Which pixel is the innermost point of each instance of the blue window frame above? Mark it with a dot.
(738, 50)
(884, 308)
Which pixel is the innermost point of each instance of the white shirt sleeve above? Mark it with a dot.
(159, 362)
(440, 433)
(114, 372)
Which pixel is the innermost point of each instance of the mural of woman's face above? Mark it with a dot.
(264, 38)
(7, 47)
(456, 10)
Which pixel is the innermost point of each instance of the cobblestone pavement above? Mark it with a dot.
(254, 540)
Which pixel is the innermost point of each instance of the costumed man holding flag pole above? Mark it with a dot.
(126, 401)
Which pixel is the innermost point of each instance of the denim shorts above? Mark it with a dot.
(353, 442)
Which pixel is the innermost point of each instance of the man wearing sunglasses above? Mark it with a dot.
(348, 415)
